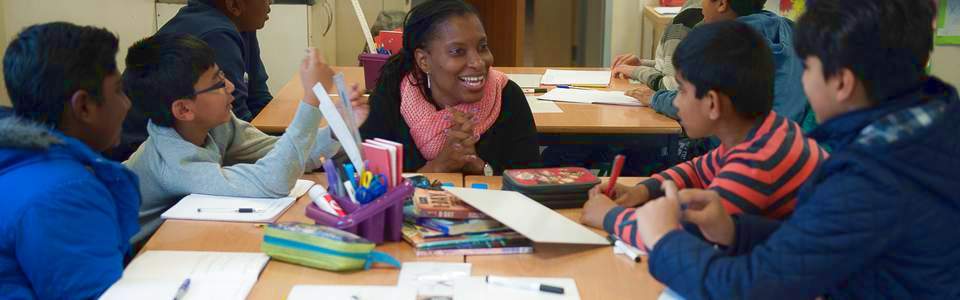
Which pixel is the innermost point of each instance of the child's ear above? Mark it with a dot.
(83, 107)
(712, 102)
(422, 58)
(233, 7)
(183, 110)
(843, 84)
(722, 5)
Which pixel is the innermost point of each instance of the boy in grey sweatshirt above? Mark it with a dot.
(197, 145)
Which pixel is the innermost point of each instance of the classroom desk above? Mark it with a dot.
(278, 277)
(575, 119)
(598, 272)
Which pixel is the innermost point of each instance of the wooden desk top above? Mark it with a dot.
(598, 272)
(575, 119)
(278, 278)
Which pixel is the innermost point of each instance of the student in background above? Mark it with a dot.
(441, 97)
(196, 143)
(658, 73)
(67, 214)
(230, 28)
(725, 72)
(789, 100)
(879, 219)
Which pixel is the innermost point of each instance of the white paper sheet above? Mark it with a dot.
(432, 279)
(542, 107)
(475, 288)
(213, 275)
(351, 292)
(527, 81)
(219, 208)
(340, 128)
(590, 97)
(301, 187)
(528, 217)
(576, 77)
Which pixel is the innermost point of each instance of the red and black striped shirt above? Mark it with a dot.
(760, 176)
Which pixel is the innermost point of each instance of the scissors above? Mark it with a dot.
(365, 179)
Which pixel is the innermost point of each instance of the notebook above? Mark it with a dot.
(526, 81)
(576, 77)
(351, 292)
(590, 97)
(220, 208)
(542, 107)
(475, 287)
(213, 275)
(528, 217)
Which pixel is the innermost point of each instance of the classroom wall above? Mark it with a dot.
(946, 63)
(4, 99)
(625, 26)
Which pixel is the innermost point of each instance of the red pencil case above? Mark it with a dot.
(378, 221)
(553, 187)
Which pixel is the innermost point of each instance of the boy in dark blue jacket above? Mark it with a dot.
(67, 214)
(878, 219)
(230, 28)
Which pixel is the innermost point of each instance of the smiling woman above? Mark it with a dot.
(440, 95)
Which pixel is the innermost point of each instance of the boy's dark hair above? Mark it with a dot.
(162, 69)
(419, 27)
(730, 58)
(746, 7)
(46, 64)
(885, 43)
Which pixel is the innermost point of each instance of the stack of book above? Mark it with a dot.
(438, 223)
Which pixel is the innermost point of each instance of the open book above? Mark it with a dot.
(590, 97)
(213, 275)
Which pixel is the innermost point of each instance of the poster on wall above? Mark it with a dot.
(792, 9)
(948, 22)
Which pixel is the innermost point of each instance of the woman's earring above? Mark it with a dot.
(428, 80)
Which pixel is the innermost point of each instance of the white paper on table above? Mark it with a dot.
(542, 107)
(590, 97)
(528, 217)
(267, 209)
(213, 275)
(476, 287)
(668, 10)
(301, 187)
(432, 278)
(351, 292)
(526, 81)
(340, 127)
(576, 77)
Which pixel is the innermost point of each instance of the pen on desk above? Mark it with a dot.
(628, 251)
(243, 210)
(567, 86)
(182, 291)
(534, 90)
(617, 168)
(532, 286)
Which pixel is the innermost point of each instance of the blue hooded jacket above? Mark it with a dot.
(66, 215)
(878, 220)
(789, 99)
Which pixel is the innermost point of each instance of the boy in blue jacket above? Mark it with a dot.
(878, 219)
(229, 27)
(67, 214)
(789, 100)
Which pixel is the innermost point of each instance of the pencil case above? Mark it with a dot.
(378, 221)
(553, 187)
(372, 63)
(321, 247)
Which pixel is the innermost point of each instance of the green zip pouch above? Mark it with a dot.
(321, 247)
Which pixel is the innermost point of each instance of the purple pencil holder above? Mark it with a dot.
(372, 63)
(378, 221)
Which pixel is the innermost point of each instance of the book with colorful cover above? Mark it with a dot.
(467, 241)
(476, 251)
(442, 204)
(457, 227)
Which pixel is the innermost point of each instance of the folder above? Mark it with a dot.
(378, 160)
(400, 156)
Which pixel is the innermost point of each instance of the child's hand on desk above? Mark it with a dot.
(642, 93)
(313, 70)
(596, 208)
(705, 208)
(625, 59)
(656, 218)
(630, 196)
(624, 71)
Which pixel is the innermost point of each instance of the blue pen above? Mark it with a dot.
(351, 175)
(567, 86)
(333, 178)
(182, 291)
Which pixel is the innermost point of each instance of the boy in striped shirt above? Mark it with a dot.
(726, 75)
